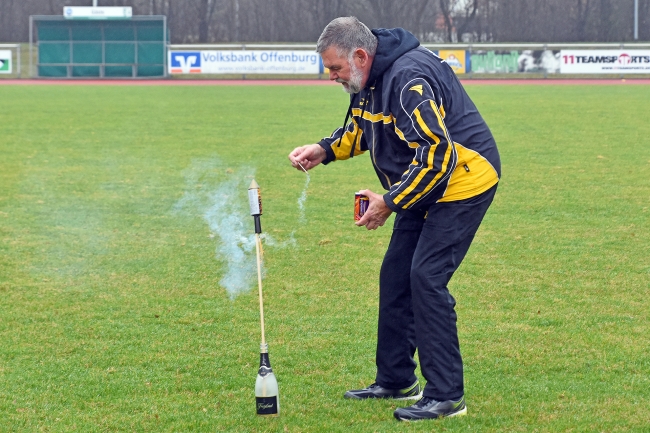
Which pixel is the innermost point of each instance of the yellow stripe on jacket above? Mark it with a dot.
(473, 175)
(343, 151)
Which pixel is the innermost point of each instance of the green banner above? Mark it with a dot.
(493, 61)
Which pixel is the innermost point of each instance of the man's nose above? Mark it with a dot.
(333, 75)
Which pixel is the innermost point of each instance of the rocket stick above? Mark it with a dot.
(259, 283)
(255, 202)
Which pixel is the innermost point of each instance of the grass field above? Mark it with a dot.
(112, 317)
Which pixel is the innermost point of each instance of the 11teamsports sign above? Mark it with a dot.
(605, 62)
(245, 62)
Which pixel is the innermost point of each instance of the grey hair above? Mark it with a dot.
(347, 34)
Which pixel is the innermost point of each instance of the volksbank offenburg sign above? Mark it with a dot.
(605, 61)
(5, 61)
(244, 62)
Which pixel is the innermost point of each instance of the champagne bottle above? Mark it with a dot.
(267, 397)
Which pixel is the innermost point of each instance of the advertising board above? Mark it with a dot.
(605, 61)
(245, 62)
(513, 61)
(457, 59)
(5, 61)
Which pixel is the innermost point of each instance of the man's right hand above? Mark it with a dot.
(308, 156)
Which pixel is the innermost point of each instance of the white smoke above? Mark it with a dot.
(219, 195)
(302, 199)
(227, 220)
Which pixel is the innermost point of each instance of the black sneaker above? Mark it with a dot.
(428, 408)
(375, 391)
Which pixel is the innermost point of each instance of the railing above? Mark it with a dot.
(442, 46)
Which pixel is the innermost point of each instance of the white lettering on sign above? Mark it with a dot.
(247, 62)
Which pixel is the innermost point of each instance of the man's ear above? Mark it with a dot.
(362, 56)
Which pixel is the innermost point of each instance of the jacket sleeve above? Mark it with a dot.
(339, 148)
(420, 124)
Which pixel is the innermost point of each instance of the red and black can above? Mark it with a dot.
(361, 203)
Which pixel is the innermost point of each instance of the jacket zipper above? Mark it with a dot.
(372, 127)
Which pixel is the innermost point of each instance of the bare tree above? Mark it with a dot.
(644, 20)
(582, 11)
(466, 18)
(446, 9)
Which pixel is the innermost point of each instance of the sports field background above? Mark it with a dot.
(111, 313)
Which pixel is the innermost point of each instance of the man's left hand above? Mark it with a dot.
(377, 212)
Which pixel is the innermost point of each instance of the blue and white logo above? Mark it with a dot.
(68, 12)
(185, 62)
(453, 61)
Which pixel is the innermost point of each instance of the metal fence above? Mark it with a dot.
(432, 46)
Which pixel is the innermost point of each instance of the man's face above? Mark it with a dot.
(349, 74)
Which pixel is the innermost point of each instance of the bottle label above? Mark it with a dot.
(267, 405)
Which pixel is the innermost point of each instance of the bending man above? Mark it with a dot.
(438, 162)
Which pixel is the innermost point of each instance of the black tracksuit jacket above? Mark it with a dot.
(427, 141)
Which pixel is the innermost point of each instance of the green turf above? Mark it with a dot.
(111, 313)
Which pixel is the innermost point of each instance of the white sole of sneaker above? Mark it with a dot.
(459, 413)
(411, 397)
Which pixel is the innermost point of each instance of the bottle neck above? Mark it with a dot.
(264, 360)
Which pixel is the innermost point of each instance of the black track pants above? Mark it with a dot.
(416, 309)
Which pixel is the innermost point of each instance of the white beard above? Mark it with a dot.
(353, 85)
